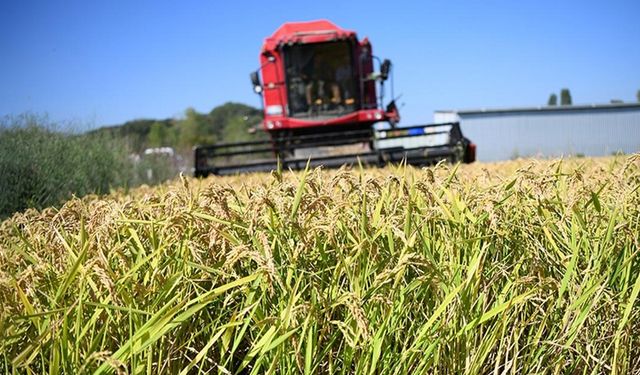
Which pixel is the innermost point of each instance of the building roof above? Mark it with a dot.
(559, 108)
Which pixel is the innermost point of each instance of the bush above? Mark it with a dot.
(42, 166)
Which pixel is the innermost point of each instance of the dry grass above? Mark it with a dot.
(518, 267)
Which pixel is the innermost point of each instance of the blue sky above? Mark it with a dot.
(100, 63)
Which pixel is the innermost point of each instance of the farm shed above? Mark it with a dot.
(591, 130)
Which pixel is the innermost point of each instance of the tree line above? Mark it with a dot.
(229, 122)
(565, 98)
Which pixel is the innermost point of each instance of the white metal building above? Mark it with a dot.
(591, 130)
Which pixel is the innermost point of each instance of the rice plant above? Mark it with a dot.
(523, 267)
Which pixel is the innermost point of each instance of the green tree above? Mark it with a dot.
(565, 97)
(232, 120)
(188, 128)
(638, 95)
(157, 135)
(553, 100)
(171, 134)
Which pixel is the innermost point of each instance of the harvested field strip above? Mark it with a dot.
(518, 267)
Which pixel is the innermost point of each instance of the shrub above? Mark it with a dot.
(42, 166)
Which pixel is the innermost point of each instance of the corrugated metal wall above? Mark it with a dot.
(597, 132)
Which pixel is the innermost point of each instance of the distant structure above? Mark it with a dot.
(589, 130)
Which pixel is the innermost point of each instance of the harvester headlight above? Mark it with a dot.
(274, 110)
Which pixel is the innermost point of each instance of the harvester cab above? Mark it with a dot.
(321, 97)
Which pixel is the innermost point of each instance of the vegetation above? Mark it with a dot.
(41, 166)
(230, 121)
(565, 97)
(520, 267)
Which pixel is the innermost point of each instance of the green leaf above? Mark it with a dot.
(300, 191)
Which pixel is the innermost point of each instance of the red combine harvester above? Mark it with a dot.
(321, 99)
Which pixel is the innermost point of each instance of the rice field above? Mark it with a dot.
(523, 267)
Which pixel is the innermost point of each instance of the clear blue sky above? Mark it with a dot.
(105, 62)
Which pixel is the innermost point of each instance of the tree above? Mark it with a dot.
(156, 137)
(229, 121)
(553, 99)
(565, 97)
(189, 128)
(638, 96)
(232, 120)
